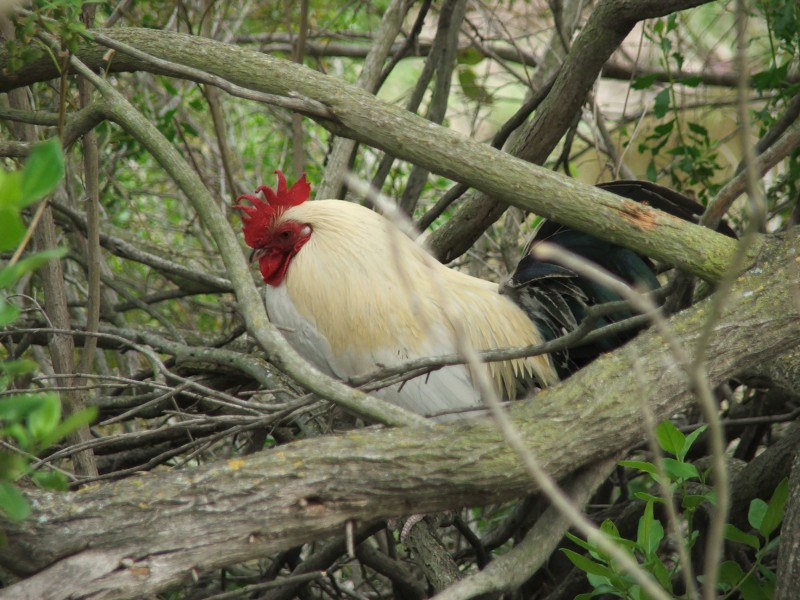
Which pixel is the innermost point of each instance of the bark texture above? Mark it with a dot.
(140, 535)
(361, 116)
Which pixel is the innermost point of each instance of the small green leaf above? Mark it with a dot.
(650, 531)
(730, 574)
(692, 81)
(661, 103)
(586, 564)
(690, 439)
(652, 171)
(664, 129)
(42, 172)
(641, 465)
(756, 512)
(680, 470)
(10, 188)
(469, 56)
(14, 409)
(9, 275)
(579, 542)
(13, 503)
(692, 501)
(44, 419)
(734, 534)
(608, 527)
(752, 589)
(12, 466)
(12, 229)
(8, 312)
(50, 480)
(72, 423)
(19, 366)
(662, 573)
(644, 82)
(648, 497)
(670, 438)
(774, 513)
(472, 88)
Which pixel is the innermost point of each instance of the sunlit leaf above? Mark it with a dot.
(42, 172)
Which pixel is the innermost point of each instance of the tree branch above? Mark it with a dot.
(367, 119)
(137, 536)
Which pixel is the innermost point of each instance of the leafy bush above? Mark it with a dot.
(605, 576)
(32, 420)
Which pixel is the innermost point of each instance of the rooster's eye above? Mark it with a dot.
(285, 235)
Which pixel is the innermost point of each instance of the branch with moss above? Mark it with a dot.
(141, 535)
(360, 115)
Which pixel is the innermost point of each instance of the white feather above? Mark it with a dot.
(360, 294)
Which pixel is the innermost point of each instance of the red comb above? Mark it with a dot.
(256, 219)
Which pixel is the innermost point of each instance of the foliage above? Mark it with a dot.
(165, 408)
(650, 549)
(56, 17)
(31, 419)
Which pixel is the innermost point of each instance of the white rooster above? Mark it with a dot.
(350, 292)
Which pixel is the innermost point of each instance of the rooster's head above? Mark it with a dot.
(274, 242)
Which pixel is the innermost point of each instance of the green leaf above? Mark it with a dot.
(664, 129)
(680, 470)
(756, 512)
(587, 565)
(690, 439)
(42, 172)
(472, 88)
(734, 534)
(608, 527)
(650, 531)
(12, 229)
(8, 312)
(641, 465)
(18, 367)
(14, 409)
(652, 171)
(10, 188)
(50, 480)
(692, 501)
(72, 423)
(469, 56)
(774, 513)
(648, 497)
(644, 82)
(692, 81)
(730, 574)
(661, 103)
(44, 419)
(12, 466)
(579, 542)
(751, 589)
(9, 275)
(13, 503)
(662, 573)
(670, 438)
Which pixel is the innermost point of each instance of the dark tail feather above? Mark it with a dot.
(556, 298)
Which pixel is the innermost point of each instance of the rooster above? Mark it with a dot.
(351, 293)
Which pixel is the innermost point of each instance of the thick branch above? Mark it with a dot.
(140, 535)
(443, 151)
